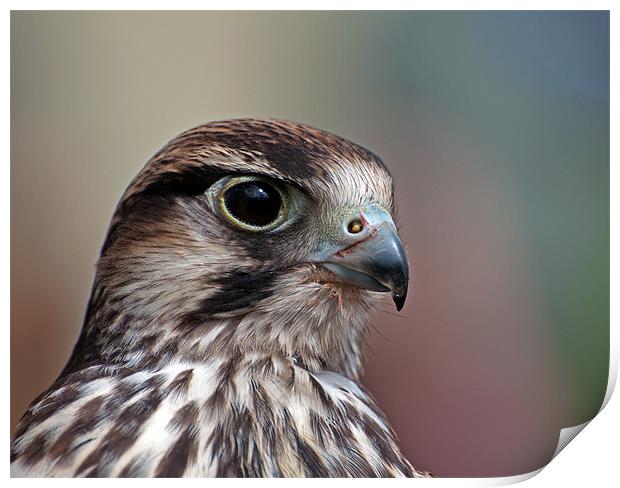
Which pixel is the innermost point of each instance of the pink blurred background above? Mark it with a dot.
(494, 125)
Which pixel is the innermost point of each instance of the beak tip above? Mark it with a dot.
(399, 300)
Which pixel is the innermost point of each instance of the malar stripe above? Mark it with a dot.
(237, 290)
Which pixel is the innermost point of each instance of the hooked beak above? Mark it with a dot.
(372, 258)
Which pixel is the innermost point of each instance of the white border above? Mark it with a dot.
(592, 458)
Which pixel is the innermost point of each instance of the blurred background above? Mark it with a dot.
(494, 125)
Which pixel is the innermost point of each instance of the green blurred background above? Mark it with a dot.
(495, 126)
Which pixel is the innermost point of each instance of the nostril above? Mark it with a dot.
(355, 226)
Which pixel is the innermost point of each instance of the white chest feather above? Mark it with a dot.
(255, 416)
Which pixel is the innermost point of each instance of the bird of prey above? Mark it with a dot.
(222, 336)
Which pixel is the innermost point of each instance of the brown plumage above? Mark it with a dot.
(222, 336)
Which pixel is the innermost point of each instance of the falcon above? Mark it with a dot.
(222, 336)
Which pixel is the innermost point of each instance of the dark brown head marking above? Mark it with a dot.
(193, 160)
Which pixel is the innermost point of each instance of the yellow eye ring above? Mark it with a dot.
(252, 203)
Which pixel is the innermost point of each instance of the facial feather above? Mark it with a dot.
(169, 260)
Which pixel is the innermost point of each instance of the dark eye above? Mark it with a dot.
(254, 203)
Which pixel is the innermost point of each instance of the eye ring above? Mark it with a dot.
(252, 203)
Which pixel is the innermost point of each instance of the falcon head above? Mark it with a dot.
(247, 235)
